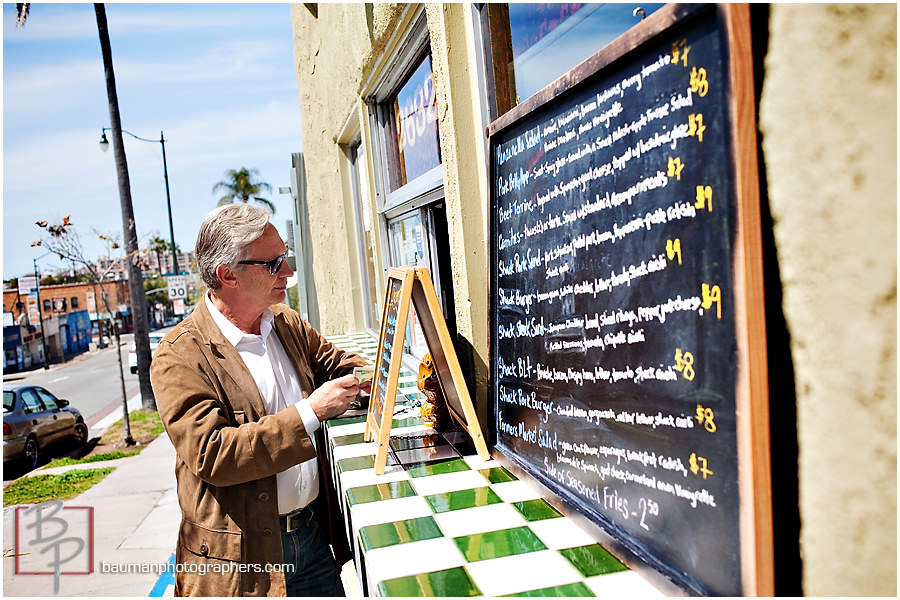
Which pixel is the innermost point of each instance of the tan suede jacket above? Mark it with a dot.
(229, 451)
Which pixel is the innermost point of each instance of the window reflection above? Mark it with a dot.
(407, 236)
(534, 44)
(415, 117)
(408, 241)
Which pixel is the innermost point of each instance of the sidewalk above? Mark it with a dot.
(135, 522)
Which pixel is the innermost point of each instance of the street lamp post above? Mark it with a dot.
(104, 146)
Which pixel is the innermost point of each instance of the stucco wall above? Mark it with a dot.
(333, 47)
(828, 117)
(336, 51)
(465, 185)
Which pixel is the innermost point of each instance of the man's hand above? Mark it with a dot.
(333, 397)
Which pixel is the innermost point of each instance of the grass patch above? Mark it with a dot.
(145, 427)
(40, 488)
(65, 461)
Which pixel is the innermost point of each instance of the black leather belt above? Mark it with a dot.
(296, 519)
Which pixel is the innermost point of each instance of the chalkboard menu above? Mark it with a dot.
(386, 341)
(620, 352)
(407, 285)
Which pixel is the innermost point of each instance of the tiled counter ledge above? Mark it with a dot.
(441, 521)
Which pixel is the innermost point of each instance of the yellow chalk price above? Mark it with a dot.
(710, 295)
(675, 167)
(696, 126)
(704, 198)
(673, 249)
(685, 364)
(706, 417)
(699, 465)
(699, 83)
(680, 51)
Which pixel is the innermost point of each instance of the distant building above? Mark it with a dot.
(151, 264)
(73, 314)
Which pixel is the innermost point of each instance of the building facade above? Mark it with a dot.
(151, 264)
(73, 315)
(395, 102)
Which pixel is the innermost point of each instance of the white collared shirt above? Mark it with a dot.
(279, 385)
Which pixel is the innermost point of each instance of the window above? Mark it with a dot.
(407, 239)
(529, 45)
(402, 114)
(74, 301)
(47, 306)
(31, 401)
(419, 238)
(365, 234)
(416, 128)
(408, 173)
(48, 400)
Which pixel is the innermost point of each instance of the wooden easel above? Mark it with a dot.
(404, 285)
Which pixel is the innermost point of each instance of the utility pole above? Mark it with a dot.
(175, 270)
(37, 282)
(135, 277)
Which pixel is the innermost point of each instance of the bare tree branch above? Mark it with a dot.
(63, 240)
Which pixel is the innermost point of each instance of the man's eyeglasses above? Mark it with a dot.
(274, 264)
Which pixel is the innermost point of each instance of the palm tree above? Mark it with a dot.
(22, 9)
(159, 247)
(242, 187)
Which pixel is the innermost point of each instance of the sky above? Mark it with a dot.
(216, 79)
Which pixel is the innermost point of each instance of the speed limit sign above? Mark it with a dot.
(177, 287)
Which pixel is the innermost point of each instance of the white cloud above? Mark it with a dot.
(55, 104)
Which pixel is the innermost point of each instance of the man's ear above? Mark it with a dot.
(226, 276)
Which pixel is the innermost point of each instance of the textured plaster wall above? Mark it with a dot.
(828, 117)
(465, 184)
(335, 52)
(332, 50)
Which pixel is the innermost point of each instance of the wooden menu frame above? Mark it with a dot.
(394, 315)
(750, 384)
(405, 285)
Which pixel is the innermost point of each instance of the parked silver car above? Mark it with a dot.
(34, 419)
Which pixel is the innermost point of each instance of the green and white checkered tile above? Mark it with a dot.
(442, 522)
(463, 527)
(481, 538)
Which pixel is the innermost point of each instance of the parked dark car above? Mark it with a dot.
(33, 420)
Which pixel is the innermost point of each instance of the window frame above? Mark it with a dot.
(391, 200)
(371, 314)
(427, 189)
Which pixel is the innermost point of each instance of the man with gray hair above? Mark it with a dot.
(242, 386)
